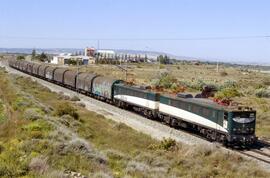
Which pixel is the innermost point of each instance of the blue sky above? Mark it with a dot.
(75, 24)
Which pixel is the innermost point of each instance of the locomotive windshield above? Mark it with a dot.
(244, 117)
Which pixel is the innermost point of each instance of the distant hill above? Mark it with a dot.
(150, 54)
(40, 50)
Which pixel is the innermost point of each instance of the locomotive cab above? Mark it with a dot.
(241, 126)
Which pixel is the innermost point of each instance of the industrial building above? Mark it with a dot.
(67, 58)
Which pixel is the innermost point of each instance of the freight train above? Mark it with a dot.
(230, 125)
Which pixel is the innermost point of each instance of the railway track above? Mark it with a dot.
(263, 143)
(260, 151)
(257, 154)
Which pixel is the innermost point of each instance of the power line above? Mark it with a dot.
(137, 39)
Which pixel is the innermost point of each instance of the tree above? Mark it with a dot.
(20, 57)
(42, 57)
(163, 59)
(166, 60)
(160, 59)
(33, 54)
(145, 58)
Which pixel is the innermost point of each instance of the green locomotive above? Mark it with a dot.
(227, 124)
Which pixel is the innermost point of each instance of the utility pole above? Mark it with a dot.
(158, 60)
(98, 44)
(126, 71)
(77, 74)
(217, 67)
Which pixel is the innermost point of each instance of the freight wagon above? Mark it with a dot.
(103, 87)
(84, 82)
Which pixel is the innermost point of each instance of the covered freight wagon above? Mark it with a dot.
(20, 65)
(103, 87)
(58, 75)
(41, 70)
(16, 64)
(30, 67)
(35, 69)
(70, 77)
(11, 62)
(84, 81)
(23, 66)
(49, 72)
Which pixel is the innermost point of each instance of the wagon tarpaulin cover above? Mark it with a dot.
(49, 72)
(84, 81)
(103, 86)
(70, 78)
(35, 68)
(59, 75)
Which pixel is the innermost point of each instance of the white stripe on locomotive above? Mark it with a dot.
(189, 117)
(138, 101)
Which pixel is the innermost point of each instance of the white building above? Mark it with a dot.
(103, 53)
(65, 58)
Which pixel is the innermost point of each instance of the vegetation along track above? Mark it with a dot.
(255, 153)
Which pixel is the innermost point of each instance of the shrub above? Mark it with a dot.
(37, 129)
(174, 86)
(223, 73)
(62, 96)
(262, 93)
(166, 80)
(197, 84)
(161, 66)
(227, 93)
(54, 174)
(165, 144)
(32, 114)
(229, 84)
(75, 98)
(20, 57)
(266, 81)
(155, 82)
(101, 175)
(36, 135)
(81, 104)
(2, 111)
(2, 148)
(21, 103)
(39, 165)
(134, 166)
(119, 126)
(66, 109)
